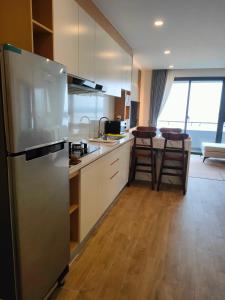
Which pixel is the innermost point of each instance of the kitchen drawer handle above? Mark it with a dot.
(112, 163)
(114, 175)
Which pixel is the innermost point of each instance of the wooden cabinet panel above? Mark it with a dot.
(15, 23)
(66, 34)
(86, 45)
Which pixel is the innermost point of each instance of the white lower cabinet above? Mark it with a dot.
(89, 198)
(101, 182)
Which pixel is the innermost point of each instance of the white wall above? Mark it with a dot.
(144, 112)
(94, 107)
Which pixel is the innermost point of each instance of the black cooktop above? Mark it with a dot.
(81, 149)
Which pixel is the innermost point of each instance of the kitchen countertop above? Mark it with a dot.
(103, 150)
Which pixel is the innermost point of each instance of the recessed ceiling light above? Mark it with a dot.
(167, 52)
(171, 66)
(158, 23)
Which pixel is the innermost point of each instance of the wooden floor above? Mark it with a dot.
(156, 245)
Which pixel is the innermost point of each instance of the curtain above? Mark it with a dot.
(157, 92)
(169, 83)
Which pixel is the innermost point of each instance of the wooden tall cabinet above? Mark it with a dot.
(27, 24)
(15, 23)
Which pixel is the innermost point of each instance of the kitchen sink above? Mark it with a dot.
(110, 139)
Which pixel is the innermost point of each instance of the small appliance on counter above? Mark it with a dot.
(115, 127)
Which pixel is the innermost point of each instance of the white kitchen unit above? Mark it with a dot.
(108, 62)
(65, 20)
(126, 70)
(134, 86)
(86, 45)
(88, 50)
(103, 62)
(100, 183)
(89, 197)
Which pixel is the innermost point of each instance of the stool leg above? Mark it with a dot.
(135, 167)
(161, 170)
(132, 166)
(183, 178)
(184, 174)
(155, 174)
(152, 170)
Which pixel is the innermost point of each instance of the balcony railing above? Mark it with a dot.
(191, 125)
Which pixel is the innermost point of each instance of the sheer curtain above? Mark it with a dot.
(162, 81)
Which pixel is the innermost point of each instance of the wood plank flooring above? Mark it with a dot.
(155, 246)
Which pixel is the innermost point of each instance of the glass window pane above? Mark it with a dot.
(204, 105)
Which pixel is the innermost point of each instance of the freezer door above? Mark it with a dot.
(35, 100)
(40, 201)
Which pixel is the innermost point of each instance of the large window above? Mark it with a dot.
(194, 106)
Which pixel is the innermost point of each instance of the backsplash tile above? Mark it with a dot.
(84, 107)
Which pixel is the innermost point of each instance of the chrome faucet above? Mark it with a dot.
(89, 123)
(100, 134)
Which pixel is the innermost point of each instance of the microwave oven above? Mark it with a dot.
(115, 127)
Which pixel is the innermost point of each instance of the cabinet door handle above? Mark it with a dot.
(112, 163)
(114, 175)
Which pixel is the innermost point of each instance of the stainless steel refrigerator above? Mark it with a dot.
(34, 196)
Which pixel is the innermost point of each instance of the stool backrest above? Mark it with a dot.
(178, 137)
(146, 128)
(145, 135)
(165, 130)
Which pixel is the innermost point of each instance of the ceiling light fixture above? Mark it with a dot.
(171, 66)
(158, 23)
(167, 52)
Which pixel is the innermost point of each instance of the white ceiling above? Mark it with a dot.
(194, 31)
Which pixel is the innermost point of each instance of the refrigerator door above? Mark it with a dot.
(35, 100)
(40, 201)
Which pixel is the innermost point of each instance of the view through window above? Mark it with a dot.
(196, 114)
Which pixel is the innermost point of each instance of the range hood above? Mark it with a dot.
(78, 85)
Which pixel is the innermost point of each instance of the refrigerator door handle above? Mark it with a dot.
(38, 152)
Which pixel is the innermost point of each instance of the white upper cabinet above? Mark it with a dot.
(88, 50)
(108, 62)
(134, 87)
(115, 68)
(86, 46)
(66, 34)
(127, 71)
(102, 58)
